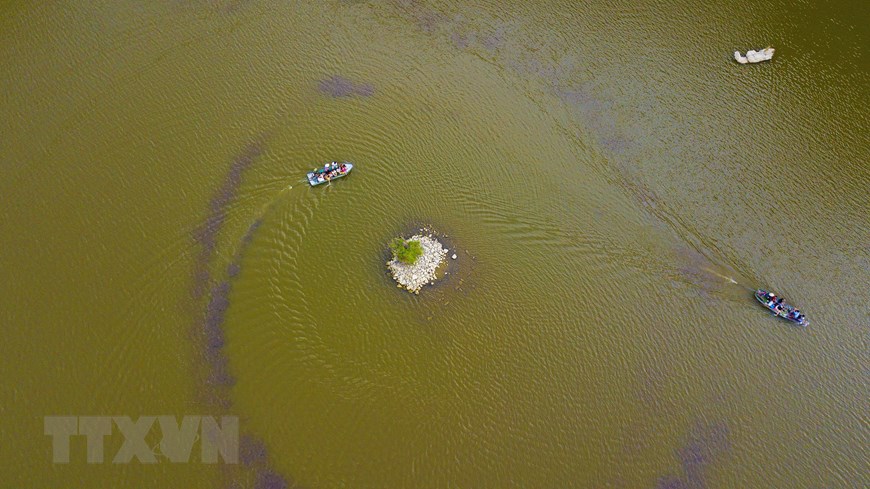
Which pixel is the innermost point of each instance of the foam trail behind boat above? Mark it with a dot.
(722, 276)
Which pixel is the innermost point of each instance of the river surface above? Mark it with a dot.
(614, 186)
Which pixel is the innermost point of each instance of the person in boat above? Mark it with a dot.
(773, 305)
(796, 315)
(343, 168)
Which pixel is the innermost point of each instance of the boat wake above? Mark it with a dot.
(713, 279)
(729, 279)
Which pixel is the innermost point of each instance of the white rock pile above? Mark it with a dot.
(414, 277)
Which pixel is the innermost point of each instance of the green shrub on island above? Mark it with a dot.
(406, 251)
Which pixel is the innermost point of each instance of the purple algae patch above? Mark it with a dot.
(215, 311)
(365, 89)
(459, 40)
(492, 42)
(706, 444)
(218, 379)
(206, 233)
(249, 234)
(670, 482)
(596, 115)
(201, 279)
(220, 374)
(252, 450)
(429, 20)
(213, 397)
(338, 86)
(267, 479)
(219, 370)
(214, 338)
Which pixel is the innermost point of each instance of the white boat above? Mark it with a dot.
(754, 56)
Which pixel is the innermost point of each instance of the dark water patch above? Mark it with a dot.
(201, 278)
(576, 97)
(218, 400)
(220, 372)
(252, 229)
(459, 40)
(597, 115)
(252, 450)
(463, 32)
(208, 327)
(600, 116)
(267, 479)
(496, 39)
(616, 144)
(206, 234)
(635, 440)
(215, 312)
(705, 446)
(214, 337)
(253, 453)
(548, 71)
(338, 86)
(646, 197)
(218, 6)
(712, 280)
(670, 482)
(236, 6)
(429, 20)
(216, 378)
(503, 43)
(651, 391)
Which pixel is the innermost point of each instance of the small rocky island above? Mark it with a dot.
(416, 260)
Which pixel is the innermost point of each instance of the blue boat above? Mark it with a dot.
(329, 172)
(780, 308)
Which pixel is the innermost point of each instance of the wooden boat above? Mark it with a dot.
(329, 172)
(782, 309)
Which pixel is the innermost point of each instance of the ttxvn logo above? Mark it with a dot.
(176, 442)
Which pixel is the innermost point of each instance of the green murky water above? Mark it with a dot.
(603, 173)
